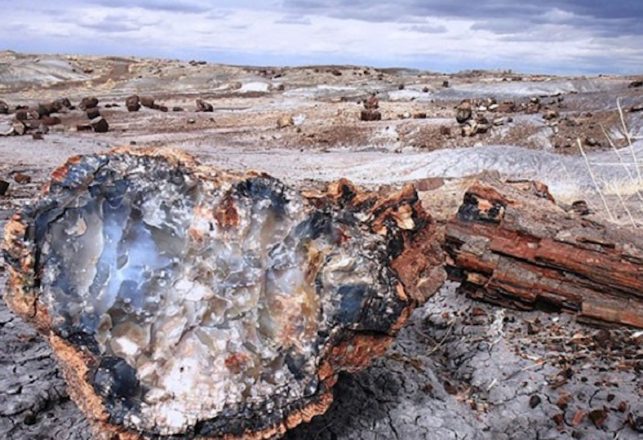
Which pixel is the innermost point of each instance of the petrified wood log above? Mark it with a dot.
(513, 246)
(184, 301)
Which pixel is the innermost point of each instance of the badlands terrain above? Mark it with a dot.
(461, 369)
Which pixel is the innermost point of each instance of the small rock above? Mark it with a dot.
(99, 125)
(580, 207)
(370, 115)
(4, 108)
(635, 84)
(93, 113)
(450, 388)
(372, 102)
(534, 401)
(19, 128)
(37, 136)
(636, 423)
(22, 178)
(203, 106)
(162, 108)
(559, 419)
(445, 131)
(191, 121)
(550, 114)
(133, 103)
(591, 142)
(88, 102)
(636, 108)
(563, 401)
(84, 127)
(177, 109)
(400, 87)
(45, 109)
(578, 418)
(464, 112)
(499, 121)
(532, 108)
(21, 115)
(336, 72)
(4, 187)
(63, 103)
(506, 107)
(445, 83)
(285, 121)
(598, 417)
(419, 115)
(147, 101)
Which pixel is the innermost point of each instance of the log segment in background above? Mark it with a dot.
(513, 246)
(184, 301)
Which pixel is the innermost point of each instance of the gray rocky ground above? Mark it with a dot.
(460, 369)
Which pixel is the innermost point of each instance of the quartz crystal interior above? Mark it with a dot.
(203, 300)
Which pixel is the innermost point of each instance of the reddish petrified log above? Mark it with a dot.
(512, 245)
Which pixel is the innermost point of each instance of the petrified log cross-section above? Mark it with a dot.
(183, 301)
(512, 245)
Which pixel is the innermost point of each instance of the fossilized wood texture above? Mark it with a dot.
(184, 301)
(512, 245)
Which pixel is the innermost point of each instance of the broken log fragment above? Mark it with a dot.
(513, 246)
(188, 302)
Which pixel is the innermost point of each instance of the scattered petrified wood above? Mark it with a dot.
(370, 115)
(513, 246)
(133, 103)
(184, 301)
(99, 124)
(203, 106)
(88, 102)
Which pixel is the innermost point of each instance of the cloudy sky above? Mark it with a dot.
(553, 36)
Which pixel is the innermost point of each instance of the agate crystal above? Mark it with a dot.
(185, 301)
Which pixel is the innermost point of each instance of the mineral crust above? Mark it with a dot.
(182, 301)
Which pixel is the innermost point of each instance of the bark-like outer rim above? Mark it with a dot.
(419, 269)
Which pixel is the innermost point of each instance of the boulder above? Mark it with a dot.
(228, 304)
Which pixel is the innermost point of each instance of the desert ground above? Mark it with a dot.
(461, 369)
